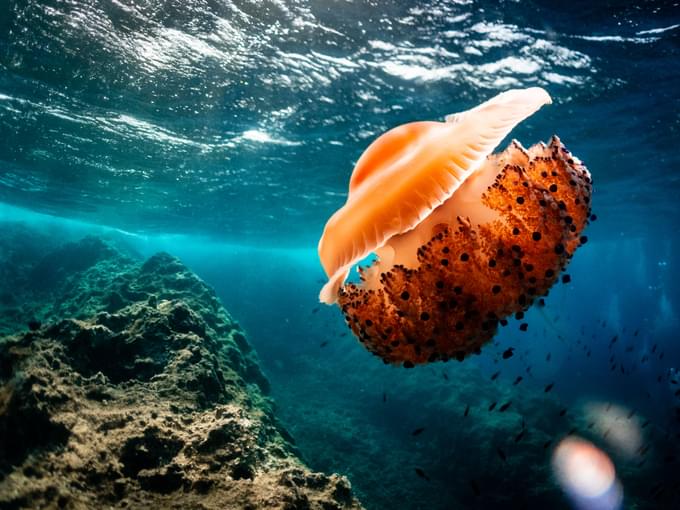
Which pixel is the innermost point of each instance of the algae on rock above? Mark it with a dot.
(135, 388)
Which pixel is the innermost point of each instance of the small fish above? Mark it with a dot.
(501, 454)
(343, 334)
(421, 474)
(636, 332)
(504, 407)
(508, 353)
(475, 488)
(324, 343)
(517, 381)
(563, 412)
(519, 436)
(547, 444)
(418, 431)
(495, 376)
(547, 358)
(654, 348)
(315, 310)
(445, 376)
(549, 387)
(492, 406)
(384, 397)
(572, 431)
(467, 410)
(631, 413)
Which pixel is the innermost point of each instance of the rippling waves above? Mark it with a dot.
(232, 118)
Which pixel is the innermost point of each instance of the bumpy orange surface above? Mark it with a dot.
(471, 275)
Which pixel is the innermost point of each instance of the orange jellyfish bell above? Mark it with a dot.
(462, 238)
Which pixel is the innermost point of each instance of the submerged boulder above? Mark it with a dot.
(134, 388)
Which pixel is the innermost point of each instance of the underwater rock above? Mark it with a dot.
(156, 402)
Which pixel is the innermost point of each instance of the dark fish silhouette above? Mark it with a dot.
(492, 406)
(418, 431)
(467, 410)
(475, 488)
(517, 381)
(324, 343)
(445, 376)
(421, 474)
(384, 397)
(563, 412)
(508, 353)
(547, 358)
(495, 376)
(549, 387)
(501, 454)
(315, 310)
(519, 436)
(504, 407)
(547, 444)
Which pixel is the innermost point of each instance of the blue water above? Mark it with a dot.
(225, 133)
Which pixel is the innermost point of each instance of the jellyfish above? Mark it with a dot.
(462, 238)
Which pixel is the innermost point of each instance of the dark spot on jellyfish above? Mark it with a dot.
(408, 364)
(444, 262)
(542, 203)
(515, 231)
(464, 257)
(445, 249)
(424, 316)
(559, 249)
(458, 290)
(404, 295)
(496, 289)
(568, 220)
(566, 278)
(519, 315)
(536, 236)
(369, 322)
(549, 273)
(520, 200)
(524, 326)
(440, 284)
(459, 326)
(460, 355)
(492, 263)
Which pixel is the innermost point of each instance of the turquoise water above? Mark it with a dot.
(225, 133)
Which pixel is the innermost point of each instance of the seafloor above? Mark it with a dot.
(125, 384)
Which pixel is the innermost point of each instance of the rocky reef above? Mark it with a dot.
(126, 384)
